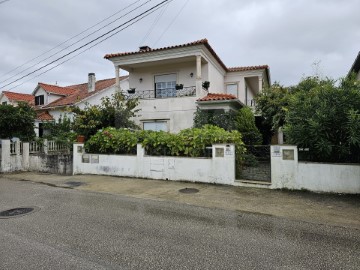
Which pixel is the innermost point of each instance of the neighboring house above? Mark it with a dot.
(356, 67)
(156, 76)
(51, 100)
(13, 98)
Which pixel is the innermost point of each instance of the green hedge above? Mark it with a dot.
(189, 142)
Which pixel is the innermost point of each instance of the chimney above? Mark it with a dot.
(144, 48)
(91, 82)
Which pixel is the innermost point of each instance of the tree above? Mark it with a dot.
(325, 117)
(272, 104)
(17, 121)
(114, 111)
(242, 120)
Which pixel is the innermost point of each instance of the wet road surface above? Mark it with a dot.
(74, 229)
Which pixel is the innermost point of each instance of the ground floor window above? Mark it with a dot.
(157, 125)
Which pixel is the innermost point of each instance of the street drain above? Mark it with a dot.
(74, 183)
(189, 190)
(16, 212)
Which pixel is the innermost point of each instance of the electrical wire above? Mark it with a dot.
(151, 28)
(71, 38)
(133, 21)
(74, 43)
(171, 22)
(2, 2)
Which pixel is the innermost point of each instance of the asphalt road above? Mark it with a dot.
(74, 229)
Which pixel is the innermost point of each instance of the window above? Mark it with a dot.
(165, 86)
(39, 100)
(4, 103)
(232, 88)
(156, 126)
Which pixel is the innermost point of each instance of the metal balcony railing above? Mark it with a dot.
(189, 91)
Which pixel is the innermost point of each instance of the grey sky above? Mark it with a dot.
(288, 35)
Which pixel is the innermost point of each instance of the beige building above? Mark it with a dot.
(171, 83)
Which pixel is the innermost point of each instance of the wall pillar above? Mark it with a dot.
(25, 156)
(46, 150)
(260, 84)
(5, 156)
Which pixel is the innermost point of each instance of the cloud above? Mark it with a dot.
(287, 35)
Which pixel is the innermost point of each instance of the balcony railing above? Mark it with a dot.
(163, 93)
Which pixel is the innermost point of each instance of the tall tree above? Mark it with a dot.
(17, 121)
(114, 111)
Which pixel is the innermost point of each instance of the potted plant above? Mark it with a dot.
(179, 86)
(80, 138)
(131, 91)
(206, 85)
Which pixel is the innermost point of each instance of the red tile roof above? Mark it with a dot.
(194, 43)
(13, 96)
(233, 69)
(81, 92)
(54, 89)
(44, 116)
(216, 97)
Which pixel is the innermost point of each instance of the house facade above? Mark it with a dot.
(170, 83)
(51, 101)
(13, 98)
(356, 67)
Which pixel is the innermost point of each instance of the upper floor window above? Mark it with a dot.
(156, 125)
(232, 88)
(4, 103)
(165, 85)
(39, 100)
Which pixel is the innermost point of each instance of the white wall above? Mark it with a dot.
(318, 177)
(178, 112)
(220, 170)
(5, 99)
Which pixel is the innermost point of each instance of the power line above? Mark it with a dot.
(2, 2)
(151, 28)
(171, 23)
(133, 20)
(72, 44)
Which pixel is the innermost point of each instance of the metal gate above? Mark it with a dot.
(257, 164)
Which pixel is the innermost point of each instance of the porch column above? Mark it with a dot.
(260, 84)
(117, 78)
(198, 76)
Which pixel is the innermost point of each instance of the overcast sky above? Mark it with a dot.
(294, 37)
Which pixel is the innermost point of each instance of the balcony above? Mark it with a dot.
(189, 91)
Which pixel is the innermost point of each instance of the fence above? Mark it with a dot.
(218, 169)
(288, 172)
(256, 166)
(34, 156)
(339, 154)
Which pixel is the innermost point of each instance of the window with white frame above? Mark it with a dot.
(165, 85)
(156, 125)
(232, 88)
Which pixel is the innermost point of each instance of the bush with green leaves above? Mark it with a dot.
(60, 130)
(242, 120)
(189, 142)
(114, 111)
(324, 116)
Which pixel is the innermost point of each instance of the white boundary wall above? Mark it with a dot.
(220, 169)
(287, 172)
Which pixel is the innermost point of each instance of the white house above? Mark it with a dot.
(13, 98)
(356, 67)
(52, 100)
(168, 81)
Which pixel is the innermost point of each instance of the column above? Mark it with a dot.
(5, 156)
(25, 156)
(198, 76)
(260, 84)
(117, 78)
